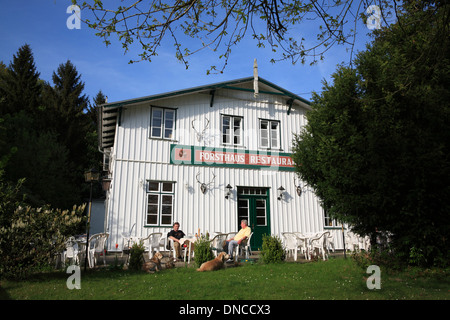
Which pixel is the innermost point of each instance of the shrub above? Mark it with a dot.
(32, 238)
(272, 250)
(384, 258)
(136, 256)
(202, 251)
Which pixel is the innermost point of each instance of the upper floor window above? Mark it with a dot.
(232, 130)
(162, 124)
(269, 134)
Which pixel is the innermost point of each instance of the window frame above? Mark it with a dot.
(232, 132)
(160, 192)
(335, 224)
(163, 125)
(269, 137)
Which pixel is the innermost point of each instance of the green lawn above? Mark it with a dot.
(333, 279)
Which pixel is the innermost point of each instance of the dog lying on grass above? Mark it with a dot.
(154, 264)
(214, 264)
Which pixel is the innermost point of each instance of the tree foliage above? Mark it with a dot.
(19, 85)
(66, 108)
(220, 25)
(376, 147)
(47, 138)
(42, 160)
(47, 132)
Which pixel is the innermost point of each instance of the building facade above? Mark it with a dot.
(207, 157)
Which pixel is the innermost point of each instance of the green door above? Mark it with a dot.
(253, 206)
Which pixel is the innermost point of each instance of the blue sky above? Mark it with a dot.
(42, 25)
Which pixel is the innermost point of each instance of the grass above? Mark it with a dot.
(332, 279)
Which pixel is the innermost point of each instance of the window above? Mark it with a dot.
(260, 212)
(252, 191)
(106, 160)
(160, 203)
(232, 130)
(162, 123)
(269, 134)
(243, 209)
(329, 222)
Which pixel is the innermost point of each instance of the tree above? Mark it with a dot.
(20, 87)
(42, 161)
(29, 152)
(47, 141)
(67, 106)
(377, 141)
(93, 156)
(92, 111)
(221, 25)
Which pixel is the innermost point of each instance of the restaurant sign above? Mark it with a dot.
(225, 157)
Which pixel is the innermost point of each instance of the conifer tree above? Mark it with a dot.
(93, 156)
(67, 106)
(20, 87)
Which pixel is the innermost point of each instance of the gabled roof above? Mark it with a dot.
(110, 112)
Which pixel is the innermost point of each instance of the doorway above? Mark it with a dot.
(253, 206)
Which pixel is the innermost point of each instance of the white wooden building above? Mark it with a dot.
(160, 149)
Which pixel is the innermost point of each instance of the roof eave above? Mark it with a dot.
(113, 109)
(204, 88)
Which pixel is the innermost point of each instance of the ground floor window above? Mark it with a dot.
(160, 203)
(329, 222)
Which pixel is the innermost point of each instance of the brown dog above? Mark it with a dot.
(169, 264)
(214, 264)
(154, 264)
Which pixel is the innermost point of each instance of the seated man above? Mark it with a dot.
(176, 234)
(243, 234)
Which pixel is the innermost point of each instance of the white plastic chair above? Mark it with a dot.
(294, 243)
(367, 243)
(71, 252)
(217, 243)
(153, 243)
(231, 235)
(330, 243)
(290, 244)
(363, 243)
(97, 247)
(244, 246)
(348, 242)
(128, 242)
(302, 244)
(172, 249)
(125, 242)
(352, 242)
(320, 243)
